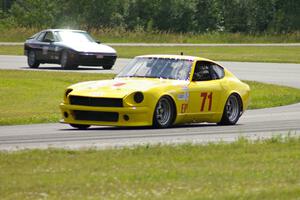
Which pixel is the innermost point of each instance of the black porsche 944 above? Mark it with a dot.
(69, 48)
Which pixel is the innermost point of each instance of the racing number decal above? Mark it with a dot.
(204, 96)
(184, 108)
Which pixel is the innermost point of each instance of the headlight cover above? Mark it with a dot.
(138, 97)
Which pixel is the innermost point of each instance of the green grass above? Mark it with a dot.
(269, 95)
(250, 54)
(124, 36)
(33, 97)
(12, 50)
(240, 170)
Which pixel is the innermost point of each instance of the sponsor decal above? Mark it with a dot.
(185, 95)
(184, 107)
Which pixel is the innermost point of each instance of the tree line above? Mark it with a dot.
(181, 16)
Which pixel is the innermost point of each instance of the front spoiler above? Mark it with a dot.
(138, 116)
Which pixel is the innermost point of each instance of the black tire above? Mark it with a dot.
(232, 110)
(80, 126)
(164, 113)
(31, 60)
(107, 66)
(66, 62)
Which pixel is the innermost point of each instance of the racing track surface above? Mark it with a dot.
(278, 73)
(261, 123)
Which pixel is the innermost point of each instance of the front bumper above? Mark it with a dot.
(106, 116)
(96, 59)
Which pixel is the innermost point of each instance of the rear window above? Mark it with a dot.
(218, 70)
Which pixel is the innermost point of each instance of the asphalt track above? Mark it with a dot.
(254, 124)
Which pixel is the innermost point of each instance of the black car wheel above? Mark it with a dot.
(232, 111)
(107, 66)
(66, 61)
(164, 113)
(80, 126)
(31, 60)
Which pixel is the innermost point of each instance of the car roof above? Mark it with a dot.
(71, 30)
(184, 57)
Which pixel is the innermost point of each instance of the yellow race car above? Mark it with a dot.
(158, 91)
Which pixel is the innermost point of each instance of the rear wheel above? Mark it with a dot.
(66, 61)
(31, 60)
(232, 111)
(80, 126)
(164, 113)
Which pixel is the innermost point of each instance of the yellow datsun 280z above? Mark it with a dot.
(159, 91)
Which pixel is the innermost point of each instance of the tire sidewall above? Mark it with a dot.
(107, 66)
(225, 118)
(80, 126)
(64, 64)
(156, 124)
(34, 63)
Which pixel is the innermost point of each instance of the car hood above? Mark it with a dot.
(121, 87)
(88, 47)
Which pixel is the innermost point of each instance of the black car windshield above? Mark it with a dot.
(73, 36)
(153, 67)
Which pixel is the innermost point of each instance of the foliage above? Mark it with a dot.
(246, 16)
(121, 35)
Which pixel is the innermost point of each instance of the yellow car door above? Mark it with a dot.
(205, 92)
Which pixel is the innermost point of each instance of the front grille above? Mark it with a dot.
(93, 60)
(96, 116)
(108, 58)
(96, 101)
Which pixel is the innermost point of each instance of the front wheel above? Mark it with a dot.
(31, 60)
(107, 66)
(66, 61)
(164, 113)
(80, 126)
(232, 111)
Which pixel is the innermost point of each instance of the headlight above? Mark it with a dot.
(138, 97)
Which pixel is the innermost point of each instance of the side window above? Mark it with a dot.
(48, 37)
(219, 71)
(203, 72)
(40, 36)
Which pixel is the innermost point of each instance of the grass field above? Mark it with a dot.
(240, 170)
(33, 97)
(250, 54)
(123, 36)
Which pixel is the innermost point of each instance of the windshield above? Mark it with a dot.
(152, 67)
(73, 36)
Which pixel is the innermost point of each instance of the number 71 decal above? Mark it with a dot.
(205, 96)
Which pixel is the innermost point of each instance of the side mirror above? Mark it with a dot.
(98, 42)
